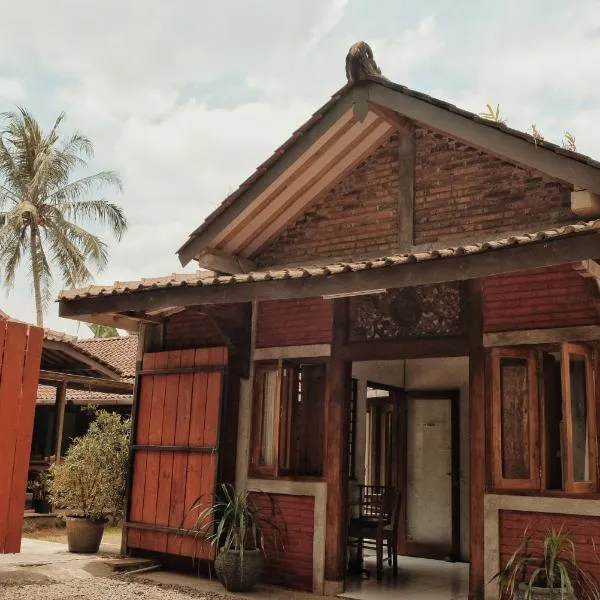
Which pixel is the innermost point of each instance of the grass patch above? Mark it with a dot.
(112, 535)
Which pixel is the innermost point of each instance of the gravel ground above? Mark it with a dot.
(103, 589)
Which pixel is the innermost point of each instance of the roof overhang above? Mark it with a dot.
(160, 297)
(339, 136)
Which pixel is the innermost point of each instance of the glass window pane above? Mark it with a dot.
(267, 433)
(514, 382)
(580, 450)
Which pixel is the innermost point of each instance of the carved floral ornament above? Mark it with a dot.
(425, 311)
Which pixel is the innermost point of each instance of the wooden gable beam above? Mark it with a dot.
(456, 268)
(304, 141)
(223, 262)
(495, 141)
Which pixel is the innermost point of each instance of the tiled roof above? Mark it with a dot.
(120, 352)
(199, 280)
(72, 341)
(320, 113)
(46, 394)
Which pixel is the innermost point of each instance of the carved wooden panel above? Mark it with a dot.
(424, 311)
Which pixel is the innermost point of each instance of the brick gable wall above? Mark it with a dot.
(358, 217)
(461, 192)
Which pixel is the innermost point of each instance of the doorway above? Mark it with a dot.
(412, 445)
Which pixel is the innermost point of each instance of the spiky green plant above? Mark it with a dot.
(43, 211)
(234, 522)
(555, 569)
(492, 115)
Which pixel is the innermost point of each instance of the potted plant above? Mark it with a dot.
(88, 485)
(238, 529)
(550, 573)
(41, 493)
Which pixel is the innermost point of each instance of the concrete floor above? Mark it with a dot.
(418, 579)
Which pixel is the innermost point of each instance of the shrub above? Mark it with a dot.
(90, 481)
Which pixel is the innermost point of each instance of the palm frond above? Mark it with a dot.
(99, 211)
(77, 190)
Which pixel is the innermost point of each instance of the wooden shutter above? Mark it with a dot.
(579, 418)
(175, 449)
(515, 419)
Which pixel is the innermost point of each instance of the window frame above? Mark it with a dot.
(538, 452)
(255, 468)
(570, 485)
(283, 417)
(498, 479)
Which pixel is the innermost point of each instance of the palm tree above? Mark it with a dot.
(42, 210)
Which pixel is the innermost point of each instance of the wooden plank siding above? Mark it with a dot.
(543, 298)
(584, 530)
(20, 353)
(291, 566)
(176, 409)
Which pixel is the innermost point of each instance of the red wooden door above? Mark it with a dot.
(175, 448)
(20, 353)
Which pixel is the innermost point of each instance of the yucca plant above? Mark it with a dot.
(241, 531)
(235, 522)
(555, 570)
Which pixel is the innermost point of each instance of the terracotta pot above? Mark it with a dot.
(237, 575)
(84, 535)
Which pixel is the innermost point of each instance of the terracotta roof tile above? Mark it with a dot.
(120, 352)
(200, 280)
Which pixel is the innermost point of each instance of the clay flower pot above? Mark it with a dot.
(84, 535)
(239, 575)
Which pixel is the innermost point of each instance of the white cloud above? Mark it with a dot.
(11, 90)
(185, 99)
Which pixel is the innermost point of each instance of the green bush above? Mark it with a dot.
(90, 481)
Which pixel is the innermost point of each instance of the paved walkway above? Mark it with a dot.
(48, 570)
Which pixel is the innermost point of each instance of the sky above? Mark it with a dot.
(186, 98)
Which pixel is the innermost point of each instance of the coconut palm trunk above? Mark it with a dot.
(43, 211)
(36, 278)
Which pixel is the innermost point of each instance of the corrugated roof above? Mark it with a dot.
(320, 113)
(198, 280)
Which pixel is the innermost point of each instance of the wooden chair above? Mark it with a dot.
(377, 524)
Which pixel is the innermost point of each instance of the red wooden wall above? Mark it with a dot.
(20, 354)
(543, 298)
(180, 408)
(292, 567)
(583, 530)
(296, 322)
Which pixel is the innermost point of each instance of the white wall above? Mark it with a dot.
(421, 374)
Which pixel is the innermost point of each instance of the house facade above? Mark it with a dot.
(404, 294)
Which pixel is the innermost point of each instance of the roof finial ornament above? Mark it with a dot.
(360, 63)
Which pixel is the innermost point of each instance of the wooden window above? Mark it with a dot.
(543, 421)
(265, 423)
(579, 418)
(288, 424)
(515, 437)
